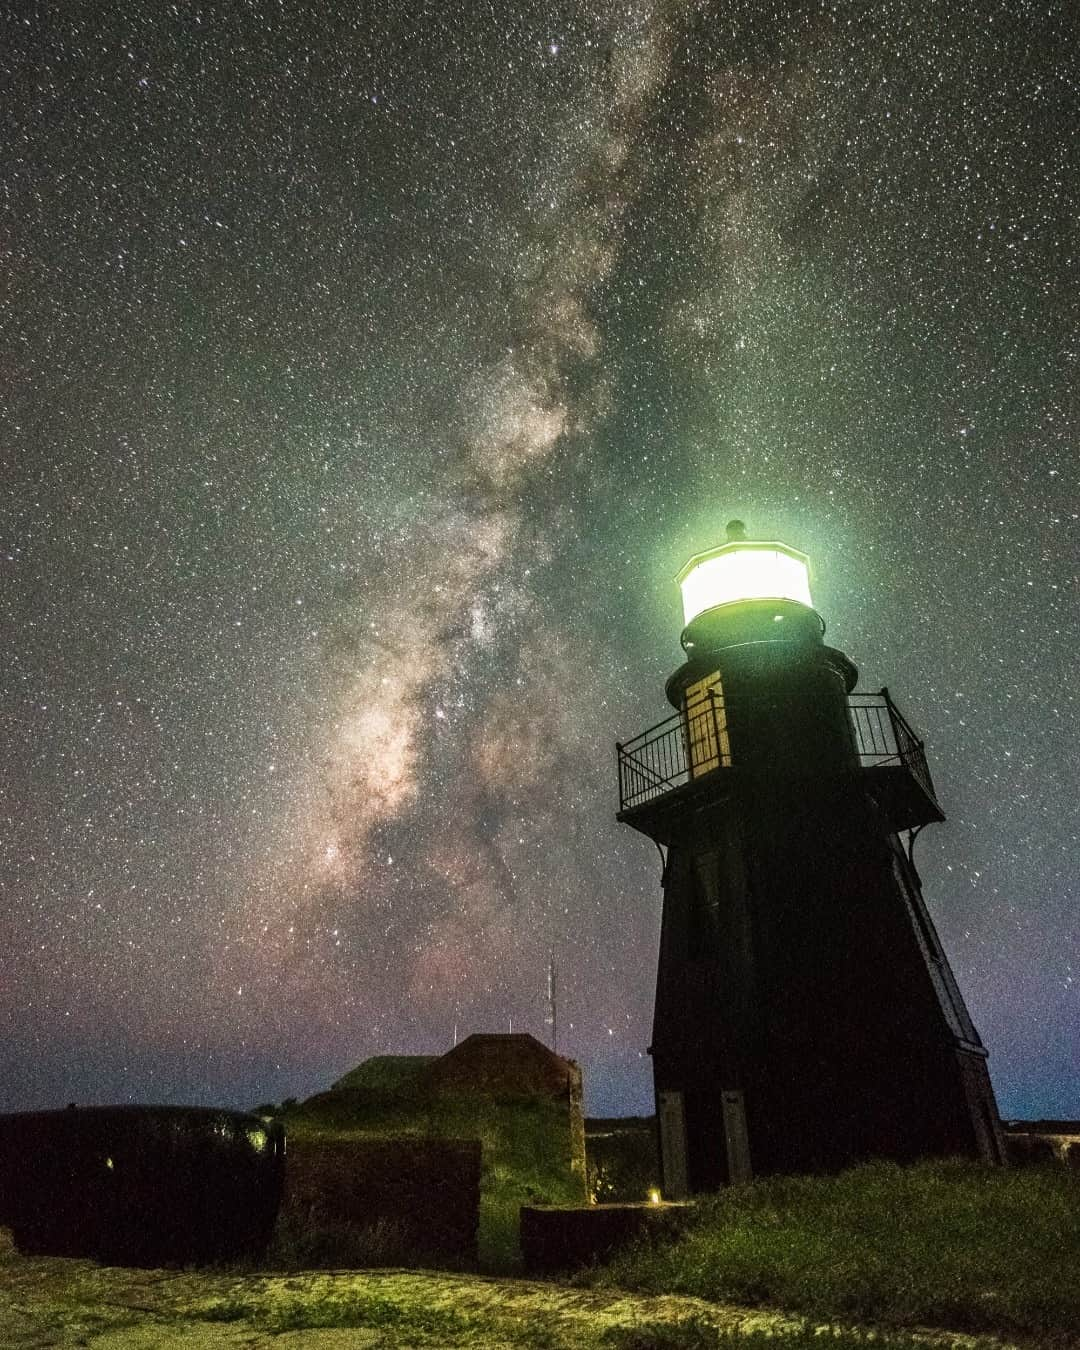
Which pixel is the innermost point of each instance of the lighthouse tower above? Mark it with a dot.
(806, 1014)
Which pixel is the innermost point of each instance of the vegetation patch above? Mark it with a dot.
(622, 1160)
(946, 1244)
(329, 1246)
(349, 1308)
(42, 1301)
(693, 1333)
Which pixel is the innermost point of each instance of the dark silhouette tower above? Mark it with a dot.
(806, 1014)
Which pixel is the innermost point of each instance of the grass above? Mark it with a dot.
(348, 1309)
(693, 1333)
(400, 1310)
(945, 1244)
(323, 1245)
(406, 1320)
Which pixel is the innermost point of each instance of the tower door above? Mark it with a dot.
(673, 1145)
(736, 1138)
(707, 745)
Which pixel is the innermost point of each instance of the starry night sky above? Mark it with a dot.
(368, 370)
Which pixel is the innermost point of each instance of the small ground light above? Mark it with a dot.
(654, 1196)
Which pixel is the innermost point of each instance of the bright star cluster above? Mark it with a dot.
(368, 373)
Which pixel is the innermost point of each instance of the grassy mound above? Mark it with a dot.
(525, 1152)
(946, 1244)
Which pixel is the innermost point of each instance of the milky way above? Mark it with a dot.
(367, 373)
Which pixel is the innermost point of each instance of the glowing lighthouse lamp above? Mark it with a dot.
(740, 570)
(806, 1016)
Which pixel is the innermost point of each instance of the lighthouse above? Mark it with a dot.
(806, 1014)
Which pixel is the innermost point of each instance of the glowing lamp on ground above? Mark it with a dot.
(741, 569)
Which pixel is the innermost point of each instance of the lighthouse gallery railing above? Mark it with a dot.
(663, 758)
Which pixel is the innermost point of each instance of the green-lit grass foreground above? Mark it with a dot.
(693, 1333)
(348, 1309)
(405, 1322)
(943, 1244)
(53, 1301)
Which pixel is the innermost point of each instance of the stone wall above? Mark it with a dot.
(1042, 1142)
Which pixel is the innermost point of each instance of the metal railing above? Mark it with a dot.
(676, 751)
(884, 736)
(670, 754)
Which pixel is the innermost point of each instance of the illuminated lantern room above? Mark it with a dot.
(741, 569)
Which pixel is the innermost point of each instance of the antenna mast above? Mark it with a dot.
(553, 1003)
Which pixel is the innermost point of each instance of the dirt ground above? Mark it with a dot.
(51, 1302)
